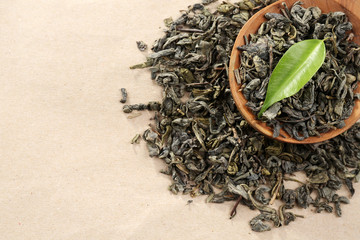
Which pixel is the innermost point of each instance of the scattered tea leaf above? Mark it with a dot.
(136, 139)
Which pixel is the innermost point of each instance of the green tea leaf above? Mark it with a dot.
(296, 67)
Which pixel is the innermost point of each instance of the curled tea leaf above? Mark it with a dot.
(258, 223)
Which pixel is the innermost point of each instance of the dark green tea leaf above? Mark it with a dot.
(208, 148)
(298, 65)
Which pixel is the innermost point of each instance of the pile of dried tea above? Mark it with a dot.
(206, 144)
(328, 98)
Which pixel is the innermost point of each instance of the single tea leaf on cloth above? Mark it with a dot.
(296, 67)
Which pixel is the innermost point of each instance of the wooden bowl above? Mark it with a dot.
(350, 7)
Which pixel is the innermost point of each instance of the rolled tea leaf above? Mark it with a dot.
(296, 67)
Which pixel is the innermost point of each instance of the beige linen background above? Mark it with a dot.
(68, 170)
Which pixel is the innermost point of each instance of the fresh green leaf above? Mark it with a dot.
(296, 67)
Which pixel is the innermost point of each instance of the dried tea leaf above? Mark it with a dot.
(321, 177)
(141, 45)
(238, 189)
(206, 144)
(136, 139)
(257, 223)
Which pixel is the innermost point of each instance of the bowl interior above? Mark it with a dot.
(349, 7)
